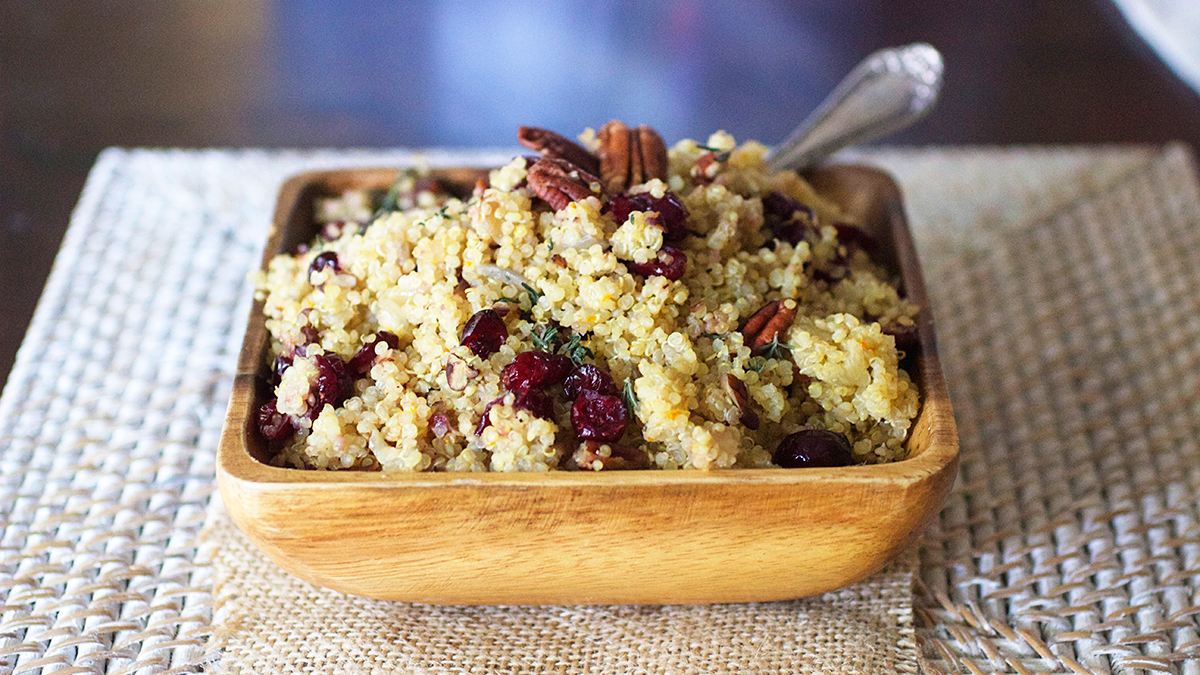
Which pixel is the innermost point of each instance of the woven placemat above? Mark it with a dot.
(1065, 286)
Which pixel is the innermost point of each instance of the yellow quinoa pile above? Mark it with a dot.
(421, 273)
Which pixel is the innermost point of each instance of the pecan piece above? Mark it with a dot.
(653, 153)
(591, 456)
(560, 182)
(557, 146)
(630, 156)
(764, 326)
(614, 156)
(741, 397)
(458, 372)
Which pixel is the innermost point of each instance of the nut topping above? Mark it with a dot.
(765, 325)
(458, 372)
(630, 156)
(653, 154)
(439, 424)
(741, 397)
(560, 182)
(597, 456)
(556, 146)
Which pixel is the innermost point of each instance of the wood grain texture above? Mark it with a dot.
(639, 537)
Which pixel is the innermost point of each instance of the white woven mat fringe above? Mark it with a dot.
(1072, 543)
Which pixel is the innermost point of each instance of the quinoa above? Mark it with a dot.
(377, 368)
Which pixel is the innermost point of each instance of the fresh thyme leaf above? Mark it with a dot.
(545, 338)
(534, 295)
(715, 336)
(723, 157)
(630, 398)
(391, 200)
(757, 363)
(774, 348)
(575, 350)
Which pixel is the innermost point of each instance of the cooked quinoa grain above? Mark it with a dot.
(708, 315)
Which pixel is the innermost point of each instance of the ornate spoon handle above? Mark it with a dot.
(888, 91)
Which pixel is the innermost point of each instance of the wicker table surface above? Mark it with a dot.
(1065, 289)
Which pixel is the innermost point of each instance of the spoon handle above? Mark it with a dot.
(888, 91)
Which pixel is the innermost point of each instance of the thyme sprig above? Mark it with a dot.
(545, 338)
(629, 397)
(575, 350)
(774, 349)
(534, 296)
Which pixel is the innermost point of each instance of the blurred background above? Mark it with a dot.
(77, 76)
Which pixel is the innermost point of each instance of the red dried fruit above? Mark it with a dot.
(813, 447)
(671, 263)
(360, 363)
(439, 424)
(599, 417)
(333, 384)
(672, 215)
(323, 260)
(273, 425)
(779, 216)
(484, 333)
(856, 237)
(282, 362)
(588, 377)
(535, 401)
(906, 337)
(535, 370)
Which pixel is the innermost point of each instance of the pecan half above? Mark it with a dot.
(458, 372)
(741, 397)
(653, 154)
(765, 326)
(557, 146)
(560, 182)
(630, 156)
(590, 457)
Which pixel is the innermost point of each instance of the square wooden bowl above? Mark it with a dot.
(563, 537)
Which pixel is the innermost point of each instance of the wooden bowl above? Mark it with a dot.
(637, 537)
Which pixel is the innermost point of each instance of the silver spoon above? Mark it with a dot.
(888, 91)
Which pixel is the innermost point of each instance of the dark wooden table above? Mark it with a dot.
(76, 77)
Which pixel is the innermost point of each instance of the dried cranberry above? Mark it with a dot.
(360, 363)
(439, 424)
(856, 237)
(598, 417)
(905, 336)
(486, 420)
(779, 212)
(672, 215)
(273, 425)
(813, 447)
(310, 335)
(484, 333)
(282, 362)
(671, 263)
(535, 401)
(589, 378)
(535, 370)
(333, 385)
(323, 260)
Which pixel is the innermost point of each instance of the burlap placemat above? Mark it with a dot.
(1065, 286)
